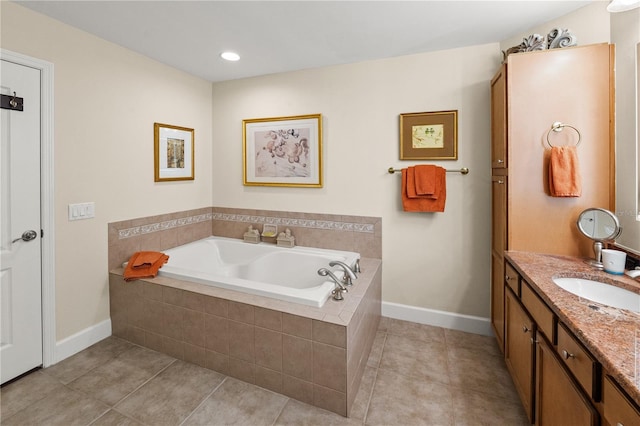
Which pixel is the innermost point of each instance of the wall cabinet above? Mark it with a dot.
(530, 92)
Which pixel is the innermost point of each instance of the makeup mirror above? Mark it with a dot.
(600, 225)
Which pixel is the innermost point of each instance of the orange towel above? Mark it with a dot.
(564, 172)
(143, 270)
(425, 177)
(145, 259)
(424, 203)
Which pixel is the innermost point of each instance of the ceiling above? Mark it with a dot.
(280, 36)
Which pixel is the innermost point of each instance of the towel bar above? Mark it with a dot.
(463, 170)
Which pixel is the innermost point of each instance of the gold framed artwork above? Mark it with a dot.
(173, 153)
(283, 151)
(429, 135)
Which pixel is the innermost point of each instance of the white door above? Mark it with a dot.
(20, 262)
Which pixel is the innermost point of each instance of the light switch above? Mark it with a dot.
(80, 211)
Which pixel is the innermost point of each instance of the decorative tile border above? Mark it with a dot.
(367, 228)
(301, 223)
(162, 226)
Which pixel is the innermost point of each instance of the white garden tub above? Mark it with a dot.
(289, 274)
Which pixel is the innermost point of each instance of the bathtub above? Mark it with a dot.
(289, 274)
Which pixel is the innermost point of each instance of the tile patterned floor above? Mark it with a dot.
(415, 375)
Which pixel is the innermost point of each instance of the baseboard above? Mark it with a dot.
(82, 340)
(468, 323)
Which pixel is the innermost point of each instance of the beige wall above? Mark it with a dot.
(107, 98)
(106, 101)
(432, 260)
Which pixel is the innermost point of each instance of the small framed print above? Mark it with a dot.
(429, 135)
(174, 153)
(283, 151)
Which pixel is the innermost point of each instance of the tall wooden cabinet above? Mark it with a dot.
(529, 93)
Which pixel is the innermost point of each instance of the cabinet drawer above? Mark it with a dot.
(618, 410)
(579, 361)
(541, 314)
(512, 278)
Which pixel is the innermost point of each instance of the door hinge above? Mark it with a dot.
(42, 233)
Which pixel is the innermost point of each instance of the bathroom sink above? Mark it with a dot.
(605, 294)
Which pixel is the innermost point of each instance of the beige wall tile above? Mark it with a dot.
(268, 318)
(330, 399)
(268, 348)
(241, 312)
(172, 321)
(216, 334)
(241, 341)
(269, 379)
(242, 370)
(216, 306)
(330, 366)
(217, 362)
(297, 326)
(297, 388)
(195, 354)
(297, 357)
(331, 334)
(193, 301)
(193, 331)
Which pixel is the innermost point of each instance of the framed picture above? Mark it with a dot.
(174, 153)
(429, 135)
(283, 151)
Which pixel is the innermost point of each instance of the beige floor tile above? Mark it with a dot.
(113, 418)
(415, 358)
(240, 403)
(415, 331)
(171, 395)
(376, 349)
(469, 344)
(26, 391)
(122, 375)
(401, 400)
(64, 407)
(297, 413)
(81, 363)
(475, 408)
(486, 374)
(361, 403)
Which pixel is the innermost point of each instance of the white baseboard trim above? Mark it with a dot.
(468, 323)
(82, 340)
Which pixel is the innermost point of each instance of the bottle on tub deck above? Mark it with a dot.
(285, 239)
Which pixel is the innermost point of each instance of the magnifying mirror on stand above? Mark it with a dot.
(600, 225)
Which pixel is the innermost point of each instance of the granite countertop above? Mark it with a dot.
(612, 335)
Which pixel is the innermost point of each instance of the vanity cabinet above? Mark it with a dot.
(559, 401)
(519, 349)
(558, 384)
(619, 410)
(530, 92)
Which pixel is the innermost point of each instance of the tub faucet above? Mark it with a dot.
(339, 289)
(349, 274)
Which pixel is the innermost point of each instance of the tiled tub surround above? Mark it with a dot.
(361, 234)
(315, 355)
(611, 335)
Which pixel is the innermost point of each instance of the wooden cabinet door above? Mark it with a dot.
(497, 298)
(499, 214)
(499, 119)
(559, 401)
(519, 349)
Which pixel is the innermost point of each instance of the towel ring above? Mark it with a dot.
(558, 127)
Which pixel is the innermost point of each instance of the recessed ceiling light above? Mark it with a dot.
(230, 56)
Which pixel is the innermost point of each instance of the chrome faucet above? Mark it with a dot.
(349, 274)
(356, 266)
(339, 289)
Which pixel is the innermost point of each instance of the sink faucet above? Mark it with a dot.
(339, 289)
(349, 274)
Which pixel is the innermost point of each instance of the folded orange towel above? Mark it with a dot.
(143, 270)
(425, 177)
(414, 183)
(564, 172)
(424, 203)
(146, 259)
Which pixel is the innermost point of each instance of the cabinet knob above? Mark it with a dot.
(507, 277)
(525, 329)
(500, 161)
(567, 355)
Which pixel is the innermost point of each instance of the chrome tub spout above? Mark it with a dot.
(349, 274)
(339, 289)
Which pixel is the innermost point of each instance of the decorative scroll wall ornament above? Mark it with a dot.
(557, 38)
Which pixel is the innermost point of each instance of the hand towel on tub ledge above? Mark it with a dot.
(413, 202)
(564, 172)
(144, 264)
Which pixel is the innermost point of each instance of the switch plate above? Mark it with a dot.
(81, 211)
